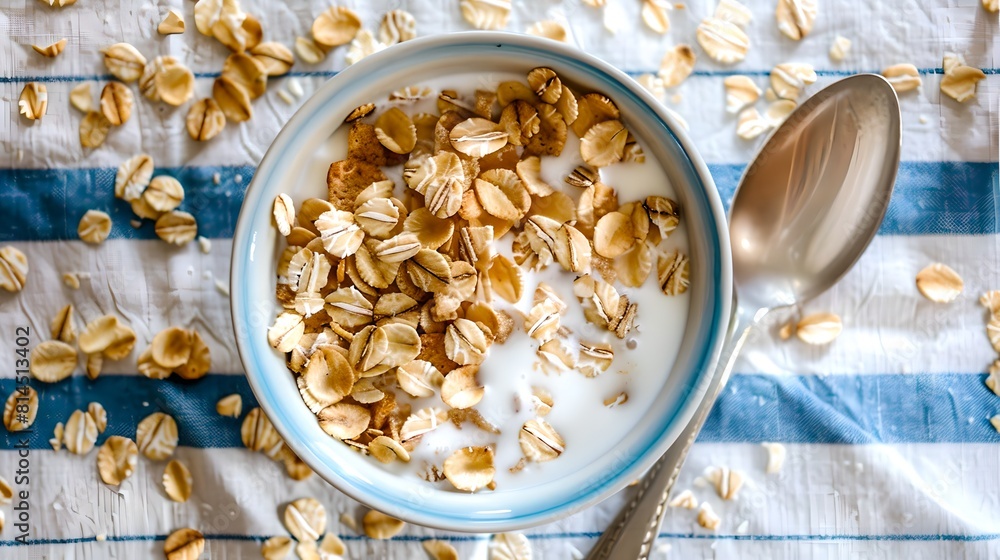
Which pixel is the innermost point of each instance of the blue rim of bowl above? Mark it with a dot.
(708, 340)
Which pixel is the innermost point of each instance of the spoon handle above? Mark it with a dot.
(634, 531)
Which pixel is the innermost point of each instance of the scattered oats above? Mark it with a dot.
(34, 101)
(6, 492)
(13, 269)
(336, 26)
(751, 124)
(995, 421)
(172, 24)
(550, 29)
(164, 193)
(94, 129)
(94, 364)
(796, 17)
(743, 527)
(116, 460)
(286, 97)
(216, 178)
(776, 454)
(133, 177)
(789, 79)
(205, 244)
(615, 19)
(733, 12)
(440, 550)
(656, 15)
(167, 79)
(177, 481)
(364, 44)
(308, 51)
(923, 119)
(176, 227)
(939, 283)
(993, 332)
(232, 99)
(332, 545)
(380, 526)
(397, 26)
(778, 111)
(276, 548)
(676, 65)
(723, 41)
(305, 519)
(62, 328)
(819, 328)
(294, 87)
(684, 500)
(707, 517)
(80, 433)
(72, 280)
(991, 6)
(230, 405)
(902, 77)
(100, 416)
(510, 546)
(486, 14)
(51, 51)
(959, 81)
(348, 520)
(17, 421)
(156, 436)
(52, 361)
(275, 58)
(205, 120)
(94, 227)
(184, 544)
(106, 335)
(80, 98)
(116, 103)
(727, 481)
(839, 49)
(741, 91)
(222, 287)
(124, 62)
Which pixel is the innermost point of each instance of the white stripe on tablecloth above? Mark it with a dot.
(824, 491)
(888, 326)
(159, 130)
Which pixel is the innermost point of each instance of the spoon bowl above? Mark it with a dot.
(815, 194)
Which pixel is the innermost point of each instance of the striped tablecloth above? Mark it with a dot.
(890, 452)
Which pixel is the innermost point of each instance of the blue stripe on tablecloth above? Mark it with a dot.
(46, 204)
(451, 537)
(835, 409)
(332, 73)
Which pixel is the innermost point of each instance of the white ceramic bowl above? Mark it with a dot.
(256, 247)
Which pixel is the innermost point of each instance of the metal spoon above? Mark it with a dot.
(804, 212)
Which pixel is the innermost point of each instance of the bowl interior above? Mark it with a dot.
(256, 249)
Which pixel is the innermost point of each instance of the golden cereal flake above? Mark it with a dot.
(722, 41)
(470, 469)
(184, 544)
(116, 460)
(156, 436)
(819, 328)
(378, 525)
(796, 17)
(939, 283)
